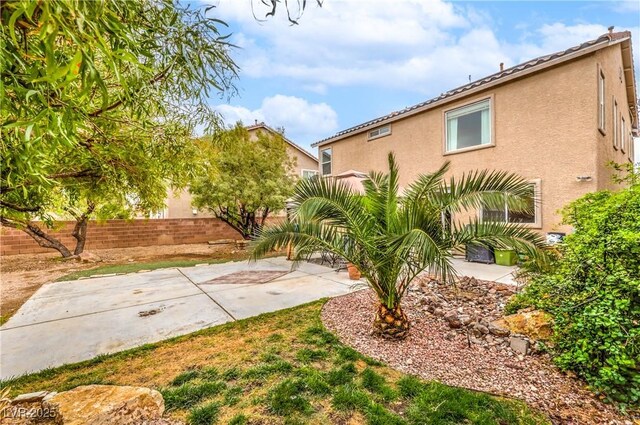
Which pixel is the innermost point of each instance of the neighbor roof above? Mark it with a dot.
(259, 125)
(522, 69)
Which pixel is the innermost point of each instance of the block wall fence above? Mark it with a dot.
(124, 234)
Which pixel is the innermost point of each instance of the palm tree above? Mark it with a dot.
(392, 238)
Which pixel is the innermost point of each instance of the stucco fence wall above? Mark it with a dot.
(123, 234)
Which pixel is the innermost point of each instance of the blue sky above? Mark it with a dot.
(351, 61)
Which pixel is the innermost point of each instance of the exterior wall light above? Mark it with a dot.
(584, 178)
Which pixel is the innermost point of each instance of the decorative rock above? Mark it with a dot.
(438, 312)
(88, 257)
(30, 397)
(519, 345)
(534, 324)
(107, 404)
(498, 329)
(465, 319)
(479, 330)
(453, 320)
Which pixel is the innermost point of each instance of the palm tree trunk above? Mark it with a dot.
(391, 323)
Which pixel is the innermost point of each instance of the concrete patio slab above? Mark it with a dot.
(108, 295)
(65, 322)
(277, 294)
(57, 342)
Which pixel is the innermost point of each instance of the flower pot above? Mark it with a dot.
(354, 273)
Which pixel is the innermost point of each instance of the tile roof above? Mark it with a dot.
(258, 125)
(533, 63)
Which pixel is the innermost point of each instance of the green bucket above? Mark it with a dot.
(506, 257)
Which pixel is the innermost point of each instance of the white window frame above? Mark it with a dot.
(302, 171)
(623, 135)
(537, 207)
(601, 102)
(379, 132)
(448, 112)
(616, 131)
(330, 162)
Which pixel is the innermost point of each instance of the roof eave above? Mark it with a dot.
(287, 141)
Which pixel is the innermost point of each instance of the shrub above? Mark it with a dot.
(593, 292)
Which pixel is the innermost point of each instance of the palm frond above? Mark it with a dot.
(478, 189)
(499, 235)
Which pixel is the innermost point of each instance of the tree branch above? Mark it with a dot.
(18, 207)
(120, 101)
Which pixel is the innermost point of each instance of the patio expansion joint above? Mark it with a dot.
(208, 295)
(95, 312)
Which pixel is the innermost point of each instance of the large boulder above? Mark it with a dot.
(107, 404)
(535, 324)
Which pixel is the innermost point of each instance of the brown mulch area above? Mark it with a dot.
(22, 275)
(433, 352)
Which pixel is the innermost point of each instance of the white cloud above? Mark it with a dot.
(423, 46)
(304, 122)
(627, 6)
(346, 42)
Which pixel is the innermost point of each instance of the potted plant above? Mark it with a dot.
(354, 273)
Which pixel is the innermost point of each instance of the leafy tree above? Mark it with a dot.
(244, 179)
(392, 239)
(593, 292)
(99, 102)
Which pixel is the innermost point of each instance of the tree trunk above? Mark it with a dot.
(44, 240)
(80, 229)
(80, 234)
(391, 323)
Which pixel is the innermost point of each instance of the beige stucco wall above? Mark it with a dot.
(544, 127)
(609, 60)
(179, 204)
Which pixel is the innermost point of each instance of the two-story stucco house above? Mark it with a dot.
(178, 205)
(556, 120)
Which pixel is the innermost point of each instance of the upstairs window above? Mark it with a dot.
(601, 96)
(308, 174)
(616, 132)
(506, 215)
(385, 130)
(325, 158)
(469, 126)
(623, 135)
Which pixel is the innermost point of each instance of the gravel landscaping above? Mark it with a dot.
(435, 351)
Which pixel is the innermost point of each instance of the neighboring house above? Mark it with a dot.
(178, 205)
(556, 120)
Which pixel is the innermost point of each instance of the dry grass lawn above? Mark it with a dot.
(279, 368)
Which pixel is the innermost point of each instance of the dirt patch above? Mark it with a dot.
(433, 352)
(23, 274)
